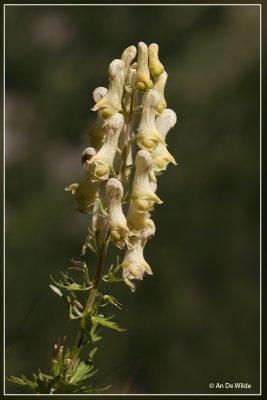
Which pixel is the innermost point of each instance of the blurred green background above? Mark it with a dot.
(196, 320)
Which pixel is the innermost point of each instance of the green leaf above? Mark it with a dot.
(82, 372)
(44, 377)
(72, 286)
(94, 337)
(104, 321)
(22, 382)
(78, 264)
(92, 353)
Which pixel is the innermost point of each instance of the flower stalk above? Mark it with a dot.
(117, 196)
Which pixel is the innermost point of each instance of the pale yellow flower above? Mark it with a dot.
(165, 121)
(85, 194)
(161, 157)
(142, 194)
(99, 165)
(88, 153)
(97, 133)
(110, 104)
(155, 66)
(139, 222)
(148, 136)
(159, 86)
(134, 266)
(119, 231)
(127, 57)
(143, 81)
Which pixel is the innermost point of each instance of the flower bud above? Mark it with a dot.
(99, 165)
(143, 81)
(134, 265)
(57, 291)
(159, 85)
(155, 66)
(148, 136)
(110, 104)
(119, 231)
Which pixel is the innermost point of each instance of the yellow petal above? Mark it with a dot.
(159, 86)
(143, 81)
(155, 66)
(148, 136)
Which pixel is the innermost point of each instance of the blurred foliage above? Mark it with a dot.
(197, 319)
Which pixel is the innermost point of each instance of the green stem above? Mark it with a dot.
(91, 299)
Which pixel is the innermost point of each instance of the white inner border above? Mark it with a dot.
(143, 394)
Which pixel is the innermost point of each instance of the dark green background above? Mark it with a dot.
(196, 320)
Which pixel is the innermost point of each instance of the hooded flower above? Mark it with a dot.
(165, 121)
(159, 86)
(88, 153)
(155, 66)
(148, 136)
(139, 222)
(97, 133)
(143, 81)
(161, 157)
(142, 194)
(119, 231)
(127, 57)
(99, 165)
(85, 194)
(134, 265)
(110, 104)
